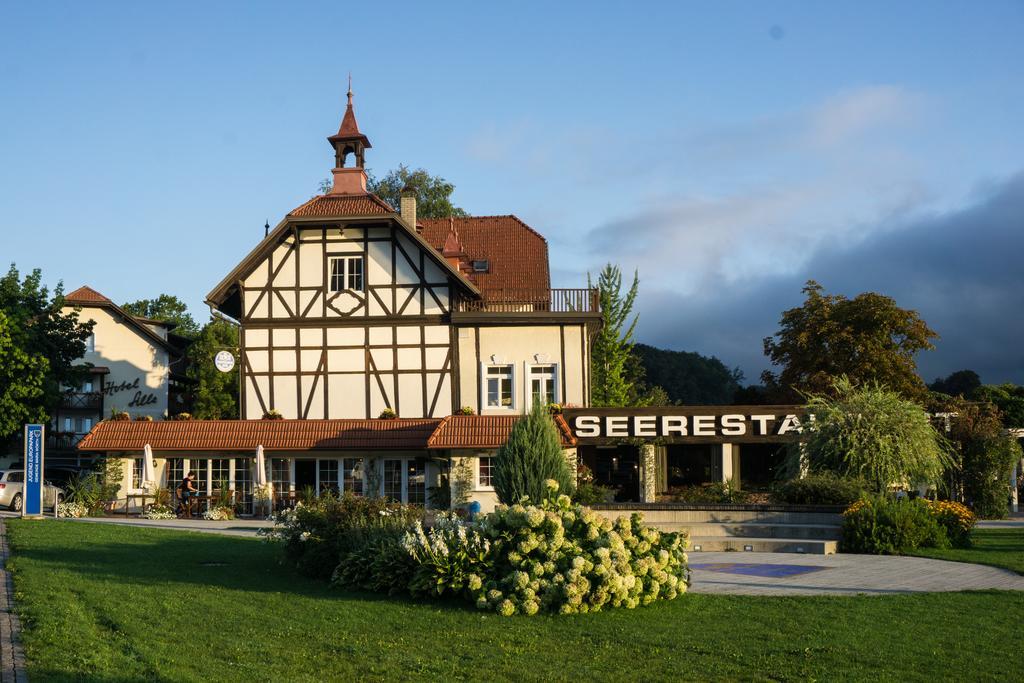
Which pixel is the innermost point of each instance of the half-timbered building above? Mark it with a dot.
(371, 333)
(350, 308)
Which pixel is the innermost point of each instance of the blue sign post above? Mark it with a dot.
(32, 505)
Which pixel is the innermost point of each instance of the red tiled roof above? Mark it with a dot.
(340, 205)
(456, 431)
(86, 295)
(246, 435)
(484, 431)
(516, 255)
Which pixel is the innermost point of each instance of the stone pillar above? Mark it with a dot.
(648, 474)
(1013, 487)
(727, 463)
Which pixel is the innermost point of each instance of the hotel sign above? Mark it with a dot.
(687, 424)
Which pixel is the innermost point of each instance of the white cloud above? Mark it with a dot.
(844, 117)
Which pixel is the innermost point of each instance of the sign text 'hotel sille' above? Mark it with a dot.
(669, 425)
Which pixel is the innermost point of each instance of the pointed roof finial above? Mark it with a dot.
(350, 88)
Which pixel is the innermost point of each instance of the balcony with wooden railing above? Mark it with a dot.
(534, 301)
(79, 400)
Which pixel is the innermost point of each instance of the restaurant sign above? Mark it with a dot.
(687, 424)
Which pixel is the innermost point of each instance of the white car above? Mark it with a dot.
(12, 482)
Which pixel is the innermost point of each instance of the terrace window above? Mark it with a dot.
(347, 274)
(498, 386)
(543, 384)
(352, 480)
(485, 472)
(136, 473)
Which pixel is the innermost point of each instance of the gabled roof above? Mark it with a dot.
(516, 254)
(87, 297)
(344, 205)
(485, 431)
(351, 207)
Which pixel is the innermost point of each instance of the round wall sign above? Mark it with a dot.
(224, 361)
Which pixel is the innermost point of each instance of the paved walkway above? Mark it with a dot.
(841, 574)
(12, 657)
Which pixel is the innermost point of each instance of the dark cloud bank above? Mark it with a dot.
(962, 271)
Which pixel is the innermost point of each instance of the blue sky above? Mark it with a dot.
(726, 150)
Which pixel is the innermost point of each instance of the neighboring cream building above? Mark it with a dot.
(132, 363)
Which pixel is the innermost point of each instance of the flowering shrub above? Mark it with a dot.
(316, 534)
(72, 510)
(888, 526)
(956, 518)
(159, 512)
(525, 559)
(219, 514)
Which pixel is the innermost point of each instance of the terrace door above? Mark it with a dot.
(305, 475)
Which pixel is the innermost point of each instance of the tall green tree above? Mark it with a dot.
(167, 308)
(40, 345)
(984, 454)
(867, 338)
(872, 432)
(532, 455)
(216, 393)
(433, 193)
(614, 381)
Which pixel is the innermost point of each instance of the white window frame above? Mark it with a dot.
(347, 273)
(478, 484)
(90, 343)
(528, 381)
(512, 389)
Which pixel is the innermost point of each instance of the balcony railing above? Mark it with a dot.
(63, 441)
(533, 301)
(92, 400)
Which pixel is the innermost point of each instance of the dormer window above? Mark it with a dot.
(481, 266)
(347, 274)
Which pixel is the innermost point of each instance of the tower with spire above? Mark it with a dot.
(349, 140)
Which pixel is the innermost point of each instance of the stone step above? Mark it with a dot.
(824, 532)
(708, 544)
(660, 517)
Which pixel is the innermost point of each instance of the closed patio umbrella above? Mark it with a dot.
(261, 468)
(148, 468)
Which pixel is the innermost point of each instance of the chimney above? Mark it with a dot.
(408, 207)
(349, 181)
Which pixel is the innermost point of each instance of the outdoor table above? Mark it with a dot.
(136, 496)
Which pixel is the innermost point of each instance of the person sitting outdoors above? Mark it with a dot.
(186, 491)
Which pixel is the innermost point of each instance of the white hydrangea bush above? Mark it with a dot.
(554, 557)
(74, 510)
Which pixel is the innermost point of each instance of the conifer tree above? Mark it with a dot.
(532, 455)
(613, 382)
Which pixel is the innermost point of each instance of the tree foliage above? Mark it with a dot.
(960, 383)
(433, 193)
(532, 454)
(688, 378)
(871, 432)
(39, 345)
(216, 393)
(984, 456)
(167, 308)
(614, 376)
(867, 338)
(1009, 398)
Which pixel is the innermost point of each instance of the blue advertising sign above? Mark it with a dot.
(33, 487)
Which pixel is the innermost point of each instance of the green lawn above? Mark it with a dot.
(104, 603)
(997, 547)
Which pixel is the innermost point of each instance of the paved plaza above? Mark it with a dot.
(840, 574)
